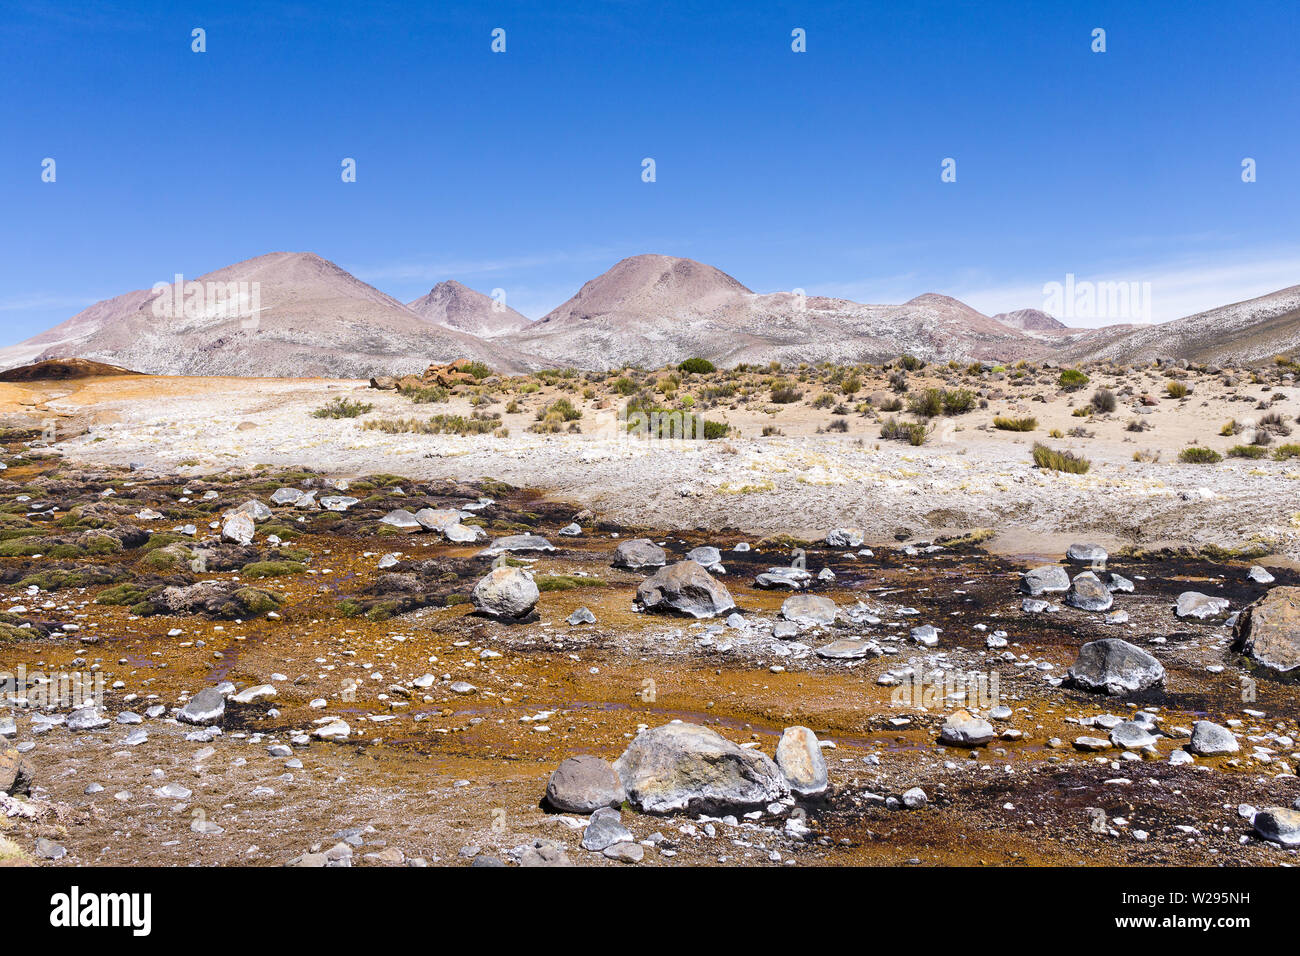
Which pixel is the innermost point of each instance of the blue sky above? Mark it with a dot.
(522, 170)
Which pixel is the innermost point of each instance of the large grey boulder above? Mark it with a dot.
(800, 758)
(1268, 631)
(1202, 607)
(964, 729)
(639, 553)
(1113, 666)
(206, 707)
(507, 593)
(688, 768)
(1049, 579)
(808, 609)
(684, 588)
(584, 784)
(1087, 593)
(1211, 740)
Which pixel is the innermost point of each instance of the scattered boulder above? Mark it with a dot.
(1279, 825)
(1091, 554)
(1087, 593)
(582, 615)
(800, 758)
(402, 520)
(808, 609)
(584, 784)
(1050, 578)
(1114, 666)
(845, 649)
(605, 829)
(639, 553)
(239, 529)
(1259, 575)
(964, 729)
(846, 538)
(707, 557)
(205, 708)
(1211, 740)
(437, 520)
(16, 774)
(793, 579)
(682, 767)
(1268, 631)
(463, 533)
(508, 593)
(684, 588)
(517, 542)
(1202, 607)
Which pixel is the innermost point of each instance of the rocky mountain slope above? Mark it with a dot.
(459, 307)
(306, 317)
(1250, 331)
(650, 310)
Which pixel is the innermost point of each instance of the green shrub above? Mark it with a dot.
(914, 433)
(927, 404)
(1246, 451)
(911, 363)
(1284, 452)
(1015, 424)
(1196, 455)
(696, 366)
(1072, 379)
(1052, 460)
(785, 394)
(958, 401)
(478, 369)
(424, 394)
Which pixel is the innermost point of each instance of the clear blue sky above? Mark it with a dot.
(522, 170)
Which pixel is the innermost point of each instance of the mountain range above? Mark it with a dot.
(296, 314)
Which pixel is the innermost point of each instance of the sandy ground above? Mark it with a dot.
(967, 476)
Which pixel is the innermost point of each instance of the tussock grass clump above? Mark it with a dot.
(1015, 424)
(342, 408)
(1177, 389)
(1196, 455)
(437, 425)
(1053, 460)
(565, 582)
(424, 394)
(1103, 400)
(1285, 452)
(272, 569)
